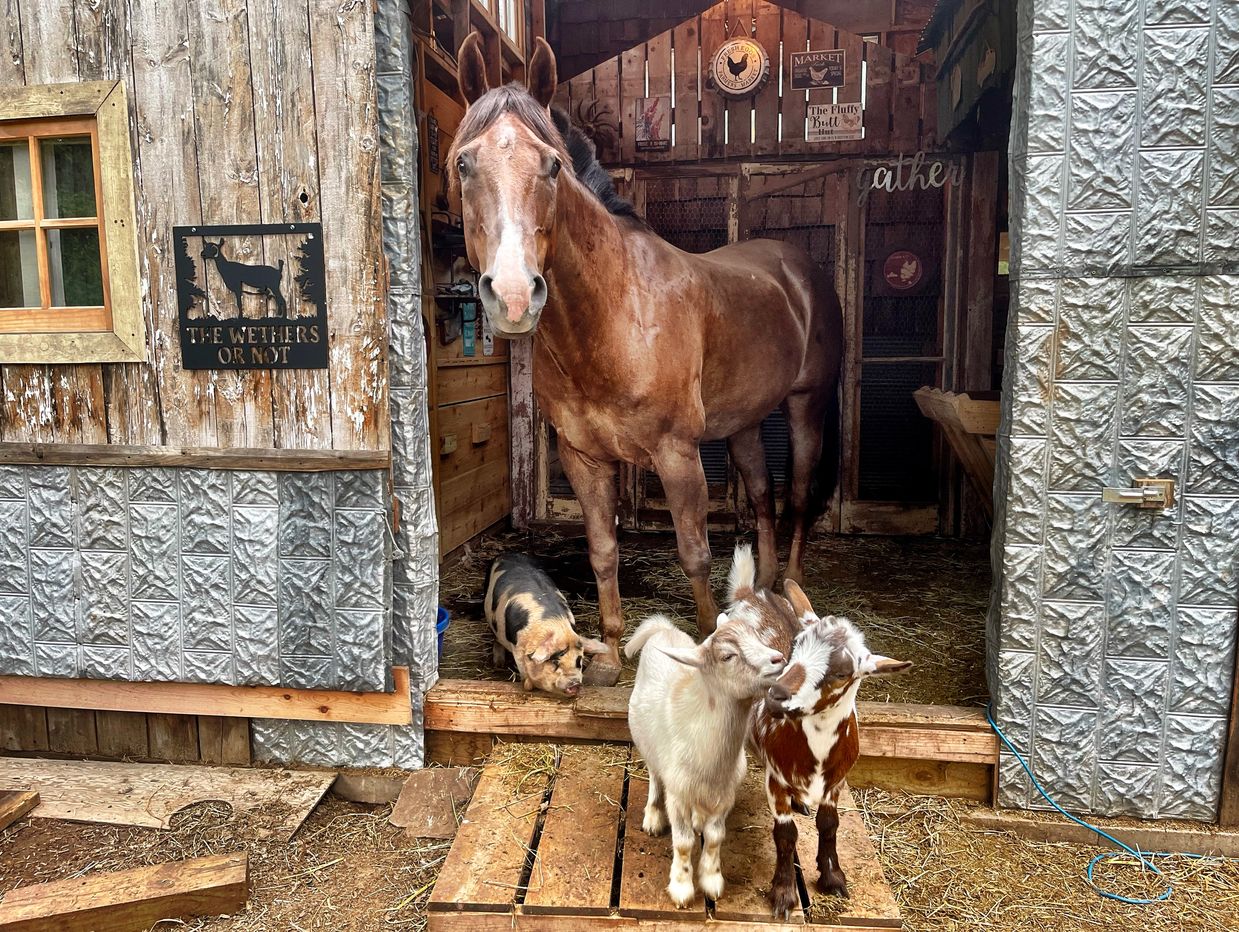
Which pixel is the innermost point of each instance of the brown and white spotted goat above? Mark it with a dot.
(805, 731)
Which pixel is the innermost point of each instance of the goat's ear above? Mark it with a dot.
(471, 64)
(800, 601)
(543, 75)
(885, 666)
(689, 656)
(721, 620)
(594, 646)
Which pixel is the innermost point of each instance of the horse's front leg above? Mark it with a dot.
(593, 483)
(684, 481)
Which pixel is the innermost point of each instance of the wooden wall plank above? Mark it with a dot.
(228, 185)
(766, 104)
(981, 267)
(188, 700)
(658, 69)
(71, 731)
(342, 48)
(880, 95)
(684, 41)
(224, 740)
(172, 737)
(795, 39)
(739, 18)
(23, 728)
(713, 34)
(288, 185)
(12, 65)
(122, 734)
(632, 89)
(608, 110)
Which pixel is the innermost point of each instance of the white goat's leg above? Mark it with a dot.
(655, 822)
(711, 871)
(683, 839)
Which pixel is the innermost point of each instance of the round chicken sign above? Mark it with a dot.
(739, 68)
(903, 270)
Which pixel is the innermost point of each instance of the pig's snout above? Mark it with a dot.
(572, 689)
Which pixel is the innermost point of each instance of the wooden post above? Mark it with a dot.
(981, 265)
(521, 429)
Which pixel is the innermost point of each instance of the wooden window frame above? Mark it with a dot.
(114, 332)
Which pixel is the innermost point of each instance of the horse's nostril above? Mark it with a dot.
(537, 294)
(486, 288)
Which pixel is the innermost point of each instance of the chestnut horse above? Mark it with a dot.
(643, 351)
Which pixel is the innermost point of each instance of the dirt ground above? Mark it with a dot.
(919, 599)
(348, 870)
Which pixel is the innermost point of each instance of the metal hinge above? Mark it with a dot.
(1145, 493)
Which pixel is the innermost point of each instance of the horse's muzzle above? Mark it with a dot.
(513, 309)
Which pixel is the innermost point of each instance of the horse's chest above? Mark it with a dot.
(598, 429)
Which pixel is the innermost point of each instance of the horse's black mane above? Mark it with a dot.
(588, 169)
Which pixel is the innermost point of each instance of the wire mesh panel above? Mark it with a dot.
(901, 343)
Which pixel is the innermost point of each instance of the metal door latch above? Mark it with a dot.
(1145, 493)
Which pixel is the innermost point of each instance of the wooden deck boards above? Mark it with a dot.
(522, 863)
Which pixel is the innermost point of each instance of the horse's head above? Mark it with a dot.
(506, 162)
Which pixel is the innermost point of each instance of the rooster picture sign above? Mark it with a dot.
(814, 70)
(739, 69)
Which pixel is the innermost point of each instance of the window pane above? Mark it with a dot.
(77, 273)
(68, 177)
(19, 269)
(15, 186)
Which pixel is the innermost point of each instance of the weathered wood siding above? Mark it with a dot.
(899, 93)
(242, 111)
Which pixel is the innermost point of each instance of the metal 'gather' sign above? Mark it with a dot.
(251, 296)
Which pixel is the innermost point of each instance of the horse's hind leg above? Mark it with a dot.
(593, 483)
(684, 481)
(806, 414)
(749, 455)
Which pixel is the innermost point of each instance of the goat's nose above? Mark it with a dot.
(779, 693)
(778, 658)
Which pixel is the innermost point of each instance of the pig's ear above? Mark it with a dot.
(594, 646)
(543, 650)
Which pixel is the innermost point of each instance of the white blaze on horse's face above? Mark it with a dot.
(508, 179)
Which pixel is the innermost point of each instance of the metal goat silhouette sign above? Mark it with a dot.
(251, 296)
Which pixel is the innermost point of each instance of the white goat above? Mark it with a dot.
(688, 716)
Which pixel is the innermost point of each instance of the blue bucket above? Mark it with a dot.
(441, 624)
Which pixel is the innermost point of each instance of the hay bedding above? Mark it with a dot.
(918, 599)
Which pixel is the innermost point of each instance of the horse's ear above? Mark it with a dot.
(543, 76)
(472, 66)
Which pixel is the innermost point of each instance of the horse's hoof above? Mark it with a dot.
(601, 673)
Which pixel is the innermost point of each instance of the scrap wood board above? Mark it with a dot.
(565, 851)
(130, 900)
(14, 804)
(149, 794)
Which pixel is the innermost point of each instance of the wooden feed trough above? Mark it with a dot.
(563, 850)
(970, 425)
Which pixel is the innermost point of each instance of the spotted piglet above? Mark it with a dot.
(530, 619)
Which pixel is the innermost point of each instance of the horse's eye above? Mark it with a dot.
(555, 166)
(462, 166)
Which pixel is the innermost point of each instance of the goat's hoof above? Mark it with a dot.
(712, 886)
(833, 883)
(784, 899)
(601, 673)
(682, 894)
(654, 823)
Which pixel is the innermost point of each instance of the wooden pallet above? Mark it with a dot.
(565, 851)
(970, 423)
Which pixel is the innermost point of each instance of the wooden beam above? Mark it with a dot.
(1205, 840)
(122, 901)
(305, 705)
(894, 730)
(14, 804)
(1228, 812)
(115, 454)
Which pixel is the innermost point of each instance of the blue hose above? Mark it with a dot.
(1144, 858)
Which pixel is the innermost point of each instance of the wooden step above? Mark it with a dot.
(566, 852)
